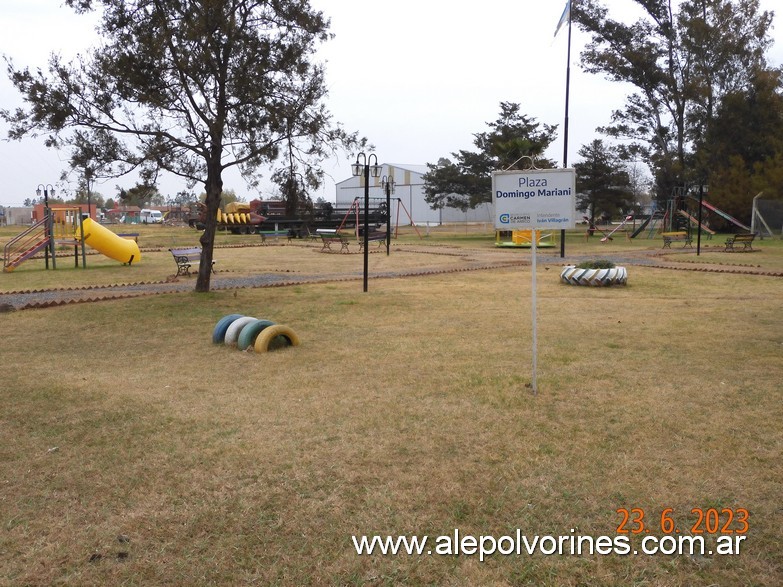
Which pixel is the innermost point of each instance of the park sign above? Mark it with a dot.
(534, 198)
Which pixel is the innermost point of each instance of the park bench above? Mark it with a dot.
(186, 258)
(129, 235)
(377, 236)
(746, 239)
(309, 235)
(671, 237)
(275, 234)
(330, 236)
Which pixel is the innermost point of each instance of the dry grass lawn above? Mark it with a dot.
(133, 451)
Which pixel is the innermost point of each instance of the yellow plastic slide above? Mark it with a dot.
(105, 241)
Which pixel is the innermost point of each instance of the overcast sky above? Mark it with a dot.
(417, 77)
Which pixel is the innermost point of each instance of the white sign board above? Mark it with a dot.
(534, 198)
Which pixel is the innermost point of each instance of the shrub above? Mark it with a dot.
(596, 264)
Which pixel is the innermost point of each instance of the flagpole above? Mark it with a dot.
(565, 123)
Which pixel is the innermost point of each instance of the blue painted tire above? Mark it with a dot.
(247, 337)
(219, 333)
(266, 340)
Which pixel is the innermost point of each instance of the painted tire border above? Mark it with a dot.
(572, 275)
(250, 332)
(268, 334)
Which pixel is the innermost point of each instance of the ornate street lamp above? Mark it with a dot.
(47, 189)
(364, 167)
(387, 183)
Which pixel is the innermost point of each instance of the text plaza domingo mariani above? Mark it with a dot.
(536, 182)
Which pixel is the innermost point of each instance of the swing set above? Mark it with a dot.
(355, 210)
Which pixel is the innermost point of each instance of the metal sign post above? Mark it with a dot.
(534, 304)
(529, 200)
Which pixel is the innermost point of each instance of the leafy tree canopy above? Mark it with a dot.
(191, 87)
(683, 62)
(467, 182)
(603, 185)
(141, 195)
(744, 148)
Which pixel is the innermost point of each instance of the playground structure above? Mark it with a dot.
(607, 236)
(677, 216)
(354, 214)
(67, 227)
(523, 239)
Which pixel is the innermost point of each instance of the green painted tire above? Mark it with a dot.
(219, 333)
(247, 337)
(233, 330)
(267, 340)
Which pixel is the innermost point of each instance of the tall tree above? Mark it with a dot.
(744, 146)
(681, 64)
(191, 87)
(603, 184)
(467, 182)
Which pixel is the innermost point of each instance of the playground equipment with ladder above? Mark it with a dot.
(67, 227)
(677, 217)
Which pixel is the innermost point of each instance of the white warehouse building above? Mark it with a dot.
(409, 195)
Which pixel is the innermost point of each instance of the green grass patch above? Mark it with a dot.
(134, 451)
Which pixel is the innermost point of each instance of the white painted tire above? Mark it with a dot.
(596, 277)
(232, 334)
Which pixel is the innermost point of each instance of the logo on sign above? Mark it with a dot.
(512, 218)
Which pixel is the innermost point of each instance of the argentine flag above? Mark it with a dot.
(565, 16)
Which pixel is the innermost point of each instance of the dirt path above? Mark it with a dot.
(473, 260)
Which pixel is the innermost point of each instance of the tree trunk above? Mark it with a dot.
(214, 189)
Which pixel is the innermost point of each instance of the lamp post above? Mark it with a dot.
(387, 183)
(88, 181)
(698, 221)
(363, 167)
(46, 189)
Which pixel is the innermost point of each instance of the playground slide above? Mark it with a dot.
(106, 242)
(722, 214)
(642, 227)
(696, 221)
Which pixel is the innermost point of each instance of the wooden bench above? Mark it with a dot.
(378, 236)
(329, 236)
(275, 234)
(129, 235)
(671, 237)
(186, 258)
(745, 238)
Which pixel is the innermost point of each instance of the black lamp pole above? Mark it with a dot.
(49, 224)
(362, 167)
(698, 233)
(388, 186)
